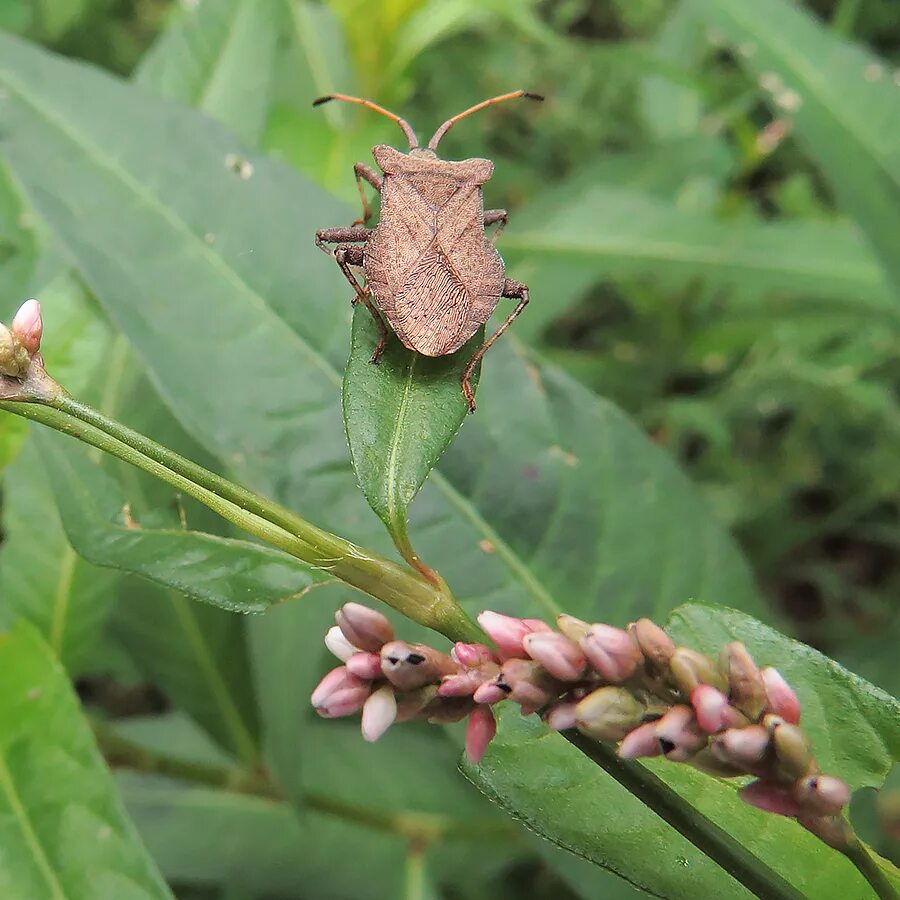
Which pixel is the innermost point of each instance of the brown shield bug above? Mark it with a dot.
(429, 269)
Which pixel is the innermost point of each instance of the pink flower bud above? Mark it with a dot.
(679, 735)
(771, 797)
(710, 706)
(611, 652)
(656, 646)
(742, 747)
(363, 627)
(821, 795)
(365, 665)
(409, 666)
(745, 684)
(338, 644)
(27, 325)
(490, 692)
(556, 653)
(507, 632)
(457, 686)
(640, 743)
(379, 713)
(561, 716)
(471, 656)
(526, 683)
(574, 629)
(480, 732)
(782, 700)
(339, 693)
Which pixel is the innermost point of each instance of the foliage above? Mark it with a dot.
(705, 210)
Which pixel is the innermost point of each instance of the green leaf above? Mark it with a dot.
(854, 727)
(64, 832)
(197, 655)
(41, 577)
(219, 57)
(236, 575)
(844, 105)
(400, 416)
(612, 232)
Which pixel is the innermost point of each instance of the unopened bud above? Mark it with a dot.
(479, 733)
(792, 753)
(338, 644)
(557, 654)
(471, 656)
(781, 698)
(561, 716)
(608, 713)
(507, 632)
(411, 666)
(14, 359)
(611, 652)
(574, 629)
(491, 692)
(641, 742)
(656, 646)
(379, 713)
(339, 693)
(706, 761)
(28, 326)
(710, 707)
(821, 795)
(679, 735)
(527, 683)
(743, 747)
(363, 627)
(746, 688)
(771, 797)
(689, 668)
(365, 665)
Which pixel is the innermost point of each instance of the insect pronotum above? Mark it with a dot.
(429, 269)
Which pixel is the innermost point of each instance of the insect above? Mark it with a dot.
(429, 268)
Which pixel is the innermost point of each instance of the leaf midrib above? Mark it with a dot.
(92, 151)
(399, 420)
(28, 832)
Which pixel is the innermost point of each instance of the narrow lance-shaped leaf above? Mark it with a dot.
(236, 575)
(855, 733)
(63, 830)
(841, 99)
(400, 416)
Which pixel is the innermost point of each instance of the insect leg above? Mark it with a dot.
(499, 217)
(356, 234)
(514, 290)
(353, 256)
(367, 173)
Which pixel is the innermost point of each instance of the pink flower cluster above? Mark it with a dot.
(633, 686)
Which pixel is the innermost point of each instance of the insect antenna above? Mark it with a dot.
(513, 95)
(404, 125)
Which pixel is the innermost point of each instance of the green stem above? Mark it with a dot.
(705, 835)
(406, 591)
(859, 855)
(418, 828)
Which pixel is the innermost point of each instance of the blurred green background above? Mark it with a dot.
(696, 239)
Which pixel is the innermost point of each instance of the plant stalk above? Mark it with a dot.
(705, 835)
(407, 591)
(857, 852)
